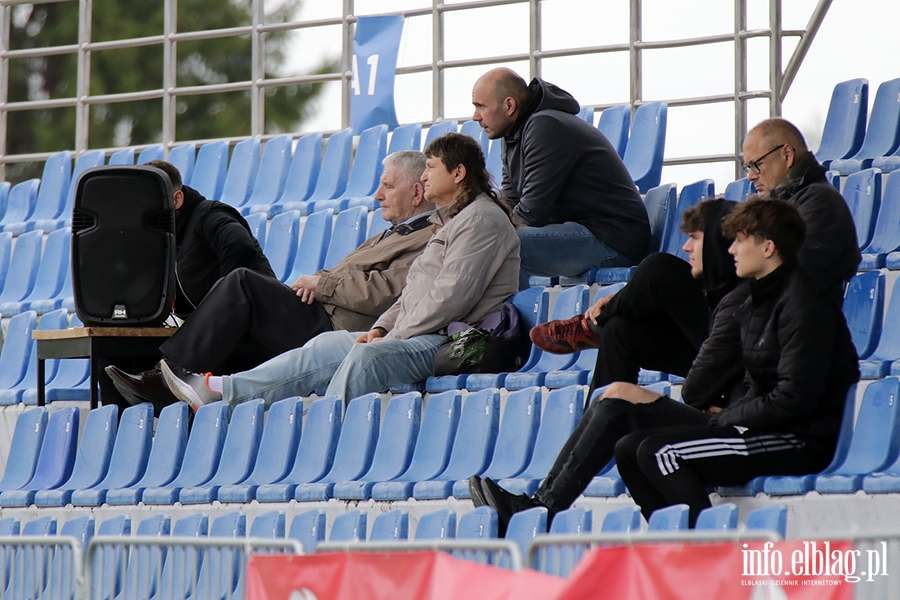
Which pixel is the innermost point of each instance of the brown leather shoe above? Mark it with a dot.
(146, 387)
(565, 337)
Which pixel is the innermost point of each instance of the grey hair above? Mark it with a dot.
(411, 162)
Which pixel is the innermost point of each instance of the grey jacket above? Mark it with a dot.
(469, 267)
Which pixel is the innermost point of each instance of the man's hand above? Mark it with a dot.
(305, 286)
(713, 410)
(371, 336)
(594, 311)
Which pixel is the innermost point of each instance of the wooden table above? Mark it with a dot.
(96, 342)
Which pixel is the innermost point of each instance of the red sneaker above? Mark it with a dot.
(565, 337)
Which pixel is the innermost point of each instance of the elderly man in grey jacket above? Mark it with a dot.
(469, 267)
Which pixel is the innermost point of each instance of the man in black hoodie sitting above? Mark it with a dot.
(568, 187)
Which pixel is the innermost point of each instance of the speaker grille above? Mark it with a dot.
(163, 221)
(82, 220)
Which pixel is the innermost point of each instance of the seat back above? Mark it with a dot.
(4, 195)
(21, 201)
(862, 191)
(886, 234)
(281, 243)
(622, 520)
(569, 302)
(268, 525)
(397, 439)
(863, 309)
(378, 224)
(23, 267)
(16, 350)
(168, 447)
(439, 129)
(367, 164)
(154, 152)
(131, 450)
(526, 525)
(495, 163)
(586, 114)
(314, 244)
(85, 161)
(660, 203)
(25, 446)
(57, 456)
(349, 232)
(315, 452)
(739, 190)
(241, 444)
(273, 170)
(5, 255)
(278, 445)
(258, 227)
(723, 517)
(349, 527)
(476, 436)
(889, 343)
(335, 167)
(52, 321)
(769, 518)
(406, 137)
(54, 265)
(392, 526)
(518, 430)
(883, 132)
(614, 123)
(304, 171)
(109, 568)
(144, 561)
(122, 157)
(97, 442)
(473, 130)
(181, 563)
(55, 179)
(241, 174)
(359, 434)
(182, 158)
(533, 305)
(221, 567)
(876, 437)
(845, 124)
(478, 524)
(210, 169)
(670, 518)
(31, 565)
(561, 413)
(435, 441)
(647, 144)
(690, 196)
(308, 528)
(437, 525)
(204, 446)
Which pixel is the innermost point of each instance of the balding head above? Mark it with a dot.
(777, 131)
(770, 150)
(498, 97)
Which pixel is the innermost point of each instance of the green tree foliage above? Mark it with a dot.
(139, 69)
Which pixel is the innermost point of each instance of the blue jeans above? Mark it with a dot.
(563, 249)
(333, 359)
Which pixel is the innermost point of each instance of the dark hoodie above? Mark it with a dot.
(557, 168)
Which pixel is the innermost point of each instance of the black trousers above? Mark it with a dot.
(675, 465)
(593, 442)
(246, 319)
(658, 321)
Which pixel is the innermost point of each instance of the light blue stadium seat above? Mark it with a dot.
(272, 174)
(238, 453)
(723, 517)
(268, 525)
(367, 163)
(661, 204)
(478, 524)
(607, 483)
(864, 309)
(670, 518)
(396, 442)
(526, 525)
(473, 445)
(19, 206)
(314, 243)
(437, 525)
(23, 267)
(62, 299)
(882, 249)
(4, 196)
(883, 132)
(218, 576)
(406, 137)
(308, 528)
(562, 411)
(210, 169)
(845, 123)
(349, 232)
(439, 129)
(769, 518)
(349, 527)
(82, 529)
(281, 243)
(180, 564)
(573, 521)
(51, 321)
(130, 454)
(515, 440)
(51, 196)
(862, 191)
(473, 129)
(378, 224)
(5, 255)
(886, 479)
(586, 114)
(646, 145)
(182, 158)
(277, 450)
(51, 273)
(495, 163)
(242, 170)
(144, 562)
(569, 302)
(204, 447)
(315, 452)
(880, 361)
(392, 526)
(27, 439)
(16, 351)
(355, 449)
(125, 156)
(622, 520)
(85, 161)
(92, 460)
(615, 123)
(302, 175)
(259, 226)
(333, 173)
(71, 379)
(433, 447)
(739, 190)
(690, 196)
(154, 152)
(8, 527)
(24, 582)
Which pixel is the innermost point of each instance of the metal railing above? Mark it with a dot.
(34, 567)
(497, 552)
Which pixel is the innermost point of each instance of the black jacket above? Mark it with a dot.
(558, 168)
(212, 239)
(799, 359)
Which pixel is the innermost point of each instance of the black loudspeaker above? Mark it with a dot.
(123, 246)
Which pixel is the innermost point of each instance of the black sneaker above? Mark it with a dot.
(475, 491)
(505, 503)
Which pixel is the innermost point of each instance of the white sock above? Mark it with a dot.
(214, 383)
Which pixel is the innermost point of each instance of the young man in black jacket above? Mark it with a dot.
(799, 360)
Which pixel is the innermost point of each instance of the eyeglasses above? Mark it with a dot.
(754, 166)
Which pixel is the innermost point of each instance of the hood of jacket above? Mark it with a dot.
(719, 276)
(192, 199)
(545, 96)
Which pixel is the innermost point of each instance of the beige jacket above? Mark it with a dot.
(469, 267)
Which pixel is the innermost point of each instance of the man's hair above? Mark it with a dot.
(170, 170)
(456, 149)
(695, 218)
(774, 220)
(510, 84)
(778, 131)
(411, 162)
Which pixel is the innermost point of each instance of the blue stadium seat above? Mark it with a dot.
(367, 163)
(586, 113)
(883, 133)
(392, 526)
(671, 518)
(82, 529)
(51, 273)
(315, 452)
(277, 450)
(349, 527)
(27, 438)
(473, 129)
(495, 163)
(92, 460)
(526, 525)
(406, 137)
(353, 456)
(272, 174)
(182, 158)
(886, 236)
(739, 190)
(4, 196)
(28, 584)
(144, 562)
(333, 173)
(569, 302)
(308, 528)
(394, 451)
(875, 442)
(862, 191)
(378, 224)
(129, 456)
(16, 351)
(23, 267)
(864, 309)
(62, 299)
(218, 575)
(69, 383)
(690, 196)
(125, 156)
(515, 440)
(51, 196)
(439, 129)
(561, 560)
(614, 123)
(478, 524)
(769, 518)
(314, 243)
(622, 520)
(879, 363)
(154, 152)
(180, 565)
(210, 169)
(302, 175)
(242, 170)
(86, 160)
(19, 206)
(437, 525)
(15, 394)
(203, 449)
(647, 144)
(281, 243)
(574, 521)
(473, 446)
(845, 124)
(723, 517)
(349, 232)
(268, 525)
(562, 411)
(607, 483)
(6, 247)
(433, 447)
(238, 453)
(259, 226)
(661, 204)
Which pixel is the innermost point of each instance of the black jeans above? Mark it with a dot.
(592, 445)
(658, 321)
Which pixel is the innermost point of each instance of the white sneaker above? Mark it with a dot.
(190, 388)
